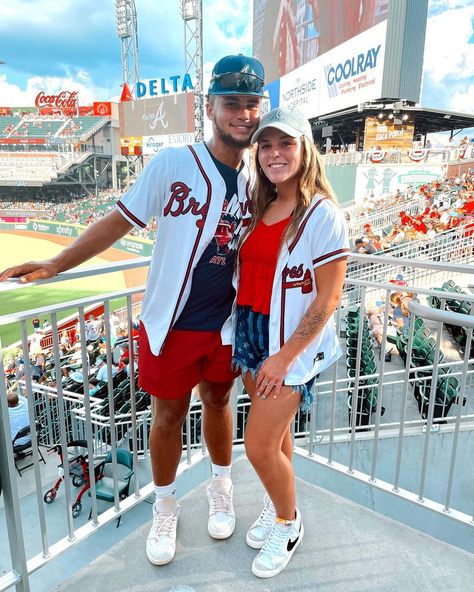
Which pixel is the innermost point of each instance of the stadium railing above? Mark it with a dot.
(380, 217)
(363, 397)
(394, 157)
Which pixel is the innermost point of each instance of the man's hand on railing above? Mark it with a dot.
(30, 272)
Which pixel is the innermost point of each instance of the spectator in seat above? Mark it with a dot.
(102, 374)
(18, 414)
(401, 314)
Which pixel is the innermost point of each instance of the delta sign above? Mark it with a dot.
(163, 86)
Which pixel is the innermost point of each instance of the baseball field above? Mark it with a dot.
(17, 248)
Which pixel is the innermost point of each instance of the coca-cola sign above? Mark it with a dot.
(64, 100)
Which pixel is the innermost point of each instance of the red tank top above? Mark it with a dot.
(258, 259)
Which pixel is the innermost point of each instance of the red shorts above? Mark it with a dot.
(187, 358)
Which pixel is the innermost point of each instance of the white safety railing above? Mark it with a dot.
(381, 216)
(396, 156)
(365, 396)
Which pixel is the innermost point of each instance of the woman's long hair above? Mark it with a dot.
(312, 180)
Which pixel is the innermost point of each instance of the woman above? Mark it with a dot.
(401, 314)
(291, 270)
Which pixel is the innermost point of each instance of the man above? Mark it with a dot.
(93, 328)
(199, 195)
(19, 419)
(102, 372)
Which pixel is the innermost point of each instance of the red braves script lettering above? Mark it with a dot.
(64, 99)
(180, 203)
(294, 272)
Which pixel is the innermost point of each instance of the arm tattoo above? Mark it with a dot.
(311, 324)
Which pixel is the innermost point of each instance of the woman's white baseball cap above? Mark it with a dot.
(289, 120)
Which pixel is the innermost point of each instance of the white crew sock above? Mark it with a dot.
(221, 471)
(165, 491)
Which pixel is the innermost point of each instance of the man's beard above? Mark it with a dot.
(229, 140)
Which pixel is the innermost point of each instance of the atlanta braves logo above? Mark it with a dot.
(295, 273)
(180, 203)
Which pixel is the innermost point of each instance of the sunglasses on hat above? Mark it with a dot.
(239, 81)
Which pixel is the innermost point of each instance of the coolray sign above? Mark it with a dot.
(65, 99)
(353, 66)
(352, 73)
(345, 76)
(162, 86)
(153, 144)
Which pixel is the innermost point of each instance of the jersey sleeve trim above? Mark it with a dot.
(331, 257)
(133, 219)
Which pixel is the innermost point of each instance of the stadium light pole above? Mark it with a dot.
(127, 30)
(191, 12)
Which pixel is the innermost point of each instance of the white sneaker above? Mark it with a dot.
(258, 533)
(161, 541)
(221, 522)
(278, 548)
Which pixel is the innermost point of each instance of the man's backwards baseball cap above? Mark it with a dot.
(289, 120)
(237, 75)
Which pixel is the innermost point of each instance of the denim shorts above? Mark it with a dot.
(251, 349)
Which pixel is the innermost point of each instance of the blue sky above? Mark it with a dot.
(54, 45)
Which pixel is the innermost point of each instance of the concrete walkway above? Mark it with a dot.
(346, 548)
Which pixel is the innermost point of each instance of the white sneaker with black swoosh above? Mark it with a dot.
(282, 542)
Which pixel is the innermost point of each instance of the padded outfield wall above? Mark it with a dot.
(64, 233)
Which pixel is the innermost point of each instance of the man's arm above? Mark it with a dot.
(98, 237)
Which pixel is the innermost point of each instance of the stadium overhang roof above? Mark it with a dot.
(351, 122)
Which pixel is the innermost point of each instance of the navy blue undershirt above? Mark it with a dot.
(210, 301)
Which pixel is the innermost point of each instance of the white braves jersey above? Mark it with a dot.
(322, 237)
(183, 189)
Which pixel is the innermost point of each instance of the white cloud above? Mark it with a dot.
(463, 101)
(447, 48)
(227, 28)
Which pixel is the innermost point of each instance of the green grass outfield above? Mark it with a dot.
(16, 249)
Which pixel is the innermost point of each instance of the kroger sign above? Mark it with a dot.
(164, 86)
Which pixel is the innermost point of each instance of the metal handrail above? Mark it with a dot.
(441, 316)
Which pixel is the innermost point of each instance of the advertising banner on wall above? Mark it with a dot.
(349, 74)
(171, 114)
(153, 144)
(352, 73)
(378, 180)
(131, 145)
(331, 54)
(302, 88)
(387, 134)
(36, 141)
